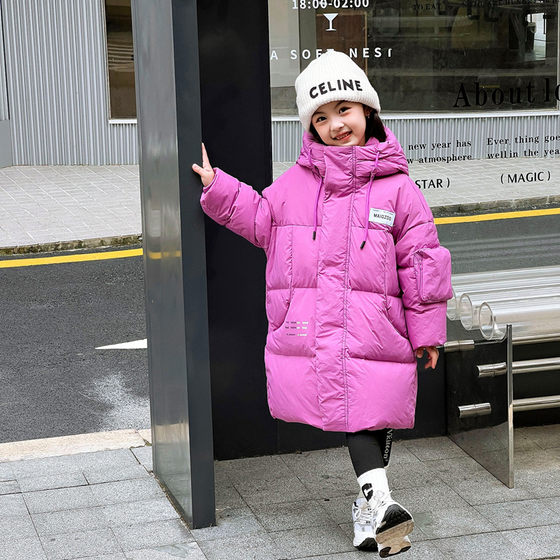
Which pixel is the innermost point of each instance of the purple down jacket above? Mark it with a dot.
(355, 281)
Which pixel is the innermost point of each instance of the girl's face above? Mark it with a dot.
(341, 123)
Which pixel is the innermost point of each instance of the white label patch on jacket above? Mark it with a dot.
(381, 216)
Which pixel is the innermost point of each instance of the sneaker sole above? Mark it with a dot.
(369, 544)
(397, 523)
(393, 548)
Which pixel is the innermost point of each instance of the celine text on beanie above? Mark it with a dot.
(334, 76)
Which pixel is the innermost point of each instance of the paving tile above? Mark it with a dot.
(420, 550)
(6, 472)
(47, 466)
(323, 461)
(139, 512)
(9, 487)
(22, 549)
(190, 551)
(245, 547)
(12, 504)
(135, 490)
(400, 454)
(487, 490)
(543, 460)
(458, 469)
(79, 544)
(291, 515)
(144, 456)
(230, 522)
(15, 527)
(99, 459)
(295, 543)
(429, 498)
(521, 514)
(356, 555)
(552, 503)
(411, 475)
(149, 535)
(338, 508)
(272, 491)
(62, 498)
(542, 484)
(116, 556)
(452, 522)
(255, 468)
(228, 496)
(329, 485)
(429, 449)
(536, 542)
(544, 436)
(112, 474)
(68, 521)
(51, 482)
(487, 546)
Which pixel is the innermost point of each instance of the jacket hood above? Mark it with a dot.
(375, 159)
(386, 158)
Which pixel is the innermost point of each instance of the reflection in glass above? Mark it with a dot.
(453, 56)
(120, 59)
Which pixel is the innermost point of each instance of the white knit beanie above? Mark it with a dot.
(334, 76)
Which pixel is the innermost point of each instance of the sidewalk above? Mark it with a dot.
(106, 505)
(50, 208)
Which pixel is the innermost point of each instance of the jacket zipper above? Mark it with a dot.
(346, 265)
(418, 263)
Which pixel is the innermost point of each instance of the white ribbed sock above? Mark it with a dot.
(374, 484)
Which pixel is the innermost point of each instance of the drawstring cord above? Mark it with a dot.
(317, 208)
(371, 178)
(370, 184)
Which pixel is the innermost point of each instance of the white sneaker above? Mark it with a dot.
(391, 525)
(362, 516)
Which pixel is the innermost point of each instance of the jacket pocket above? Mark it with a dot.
(433, 274)
(277, 305)
(395, 315)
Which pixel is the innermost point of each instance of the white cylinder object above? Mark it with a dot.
(470, 302)
(535, 317)
(499, 280)
(534, 271)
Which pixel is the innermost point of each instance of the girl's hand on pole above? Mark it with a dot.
(433, 355)
(206, 172)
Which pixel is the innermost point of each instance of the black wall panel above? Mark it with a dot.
(236, 129)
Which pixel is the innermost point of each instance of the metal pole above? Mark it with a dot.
(168, 106)
(509, 373)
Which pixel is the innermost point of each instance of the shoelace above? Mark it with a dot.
(365, 514)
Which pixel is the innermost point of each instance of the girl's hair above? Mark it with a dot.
(374, 127)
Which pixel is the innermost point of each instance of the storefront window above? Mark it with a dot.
(453, 56)
(120, 59)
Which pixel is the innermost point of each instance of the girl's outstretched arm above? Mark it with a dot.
(234, 204)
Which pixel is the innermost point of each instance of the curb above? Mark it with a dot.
(531, 203)
(94, 243)
(72, 445)
(443, 211)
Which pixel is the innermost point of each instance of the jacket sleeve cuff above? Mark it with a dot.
(427, 325)
(217, 198)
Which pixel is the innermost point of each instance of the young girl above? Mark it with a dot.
(356, 282)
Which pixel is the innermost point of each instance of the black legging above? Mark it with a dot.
(369, 449)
